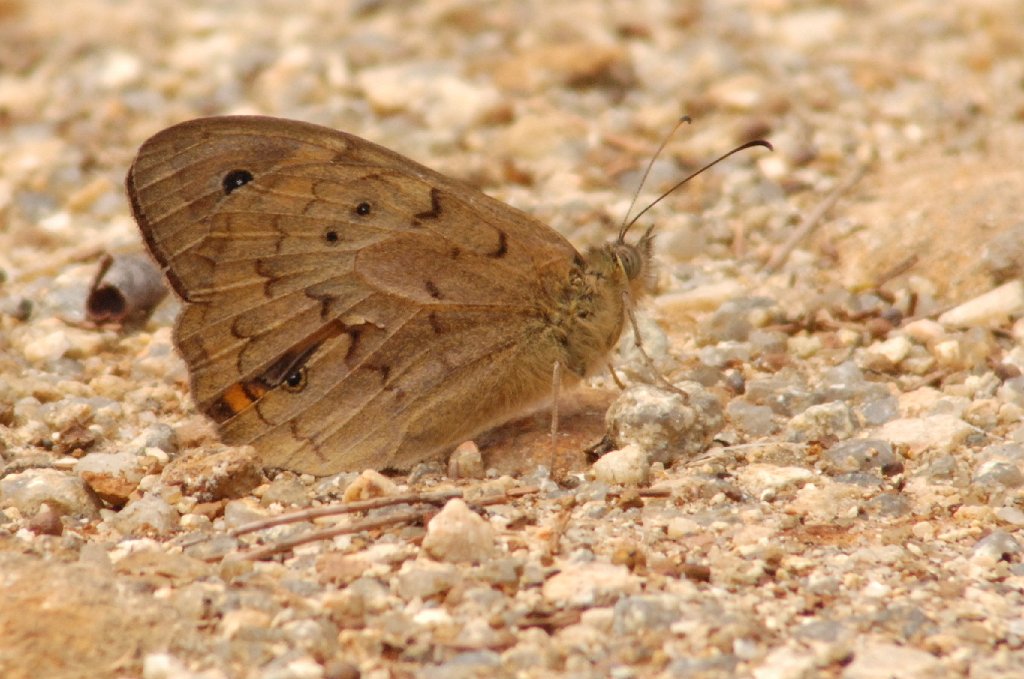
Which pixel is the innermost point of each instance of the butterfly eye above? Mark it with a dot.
(295, 381)
(630, 259)
(235, 179)
(363, 208)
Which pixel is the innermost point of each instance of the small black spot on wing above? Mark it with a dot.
(502, 248)
(363, 208)
(432, 290)
(331, 236)
(235, 180)
(383, 371)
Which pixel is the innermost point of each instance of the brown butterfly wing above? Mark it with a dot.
(344, 307)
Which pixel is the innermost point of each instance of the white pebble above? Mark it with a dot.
(991, 307)
(458, 534)
(875, 660)
(893, 350)
(627, 466)
(947, 352)
(587, 584)
(369, 484)
(938, 433)
(924, 330)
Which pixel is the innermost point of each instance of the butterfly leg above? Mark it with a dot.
(556, 387)
(615, 377)
(627, 303)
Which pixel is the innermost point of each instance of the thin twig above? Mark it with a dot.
(815, 217)
(287, 544)
(337, 509)
(346, 508)
(905, 265)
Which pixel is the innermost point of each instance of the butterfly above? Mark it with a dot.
(345, 307)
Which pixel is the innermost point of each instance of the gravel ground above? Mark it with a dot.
(843, 495)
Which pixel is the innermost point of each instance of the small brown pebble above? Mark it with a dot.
(210, 510)
(878, 327)
(46, 521)
(1006, 371)
(669, 566)
(631, 556)
(340, 669)
(466, 462)
(234, 568)
(630, 499)
(115, 490)
(226, 474)
(696, 572)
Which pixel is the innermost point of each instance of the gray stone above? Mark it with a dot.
(766, 480)
(996, 546)
(425, 579)
(857, 455)
(64, 493)
(286, 490)
(998, 473)
(733, 320)
(844, 382)
(146, 516)
(725, 353)
(1002, 451)
(878, 410)
(889, 505)
(664, 424)
(768, 341)
(457, 534)
(822, 422)
(785, 393)
(636, 614)
(160, 436)
(752, 420)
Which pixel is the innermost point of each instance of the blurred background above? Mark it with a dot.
(555, 108)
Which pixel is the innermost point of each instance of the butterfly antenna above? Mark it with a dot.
(643, 179)
(716, 161)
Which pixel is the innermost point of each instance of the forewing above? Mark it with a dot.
(303, 251)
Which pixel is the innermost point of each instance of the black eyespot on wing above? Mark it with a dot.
(295, 381)
(235, 180)
(363, 209)
(331, 236)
